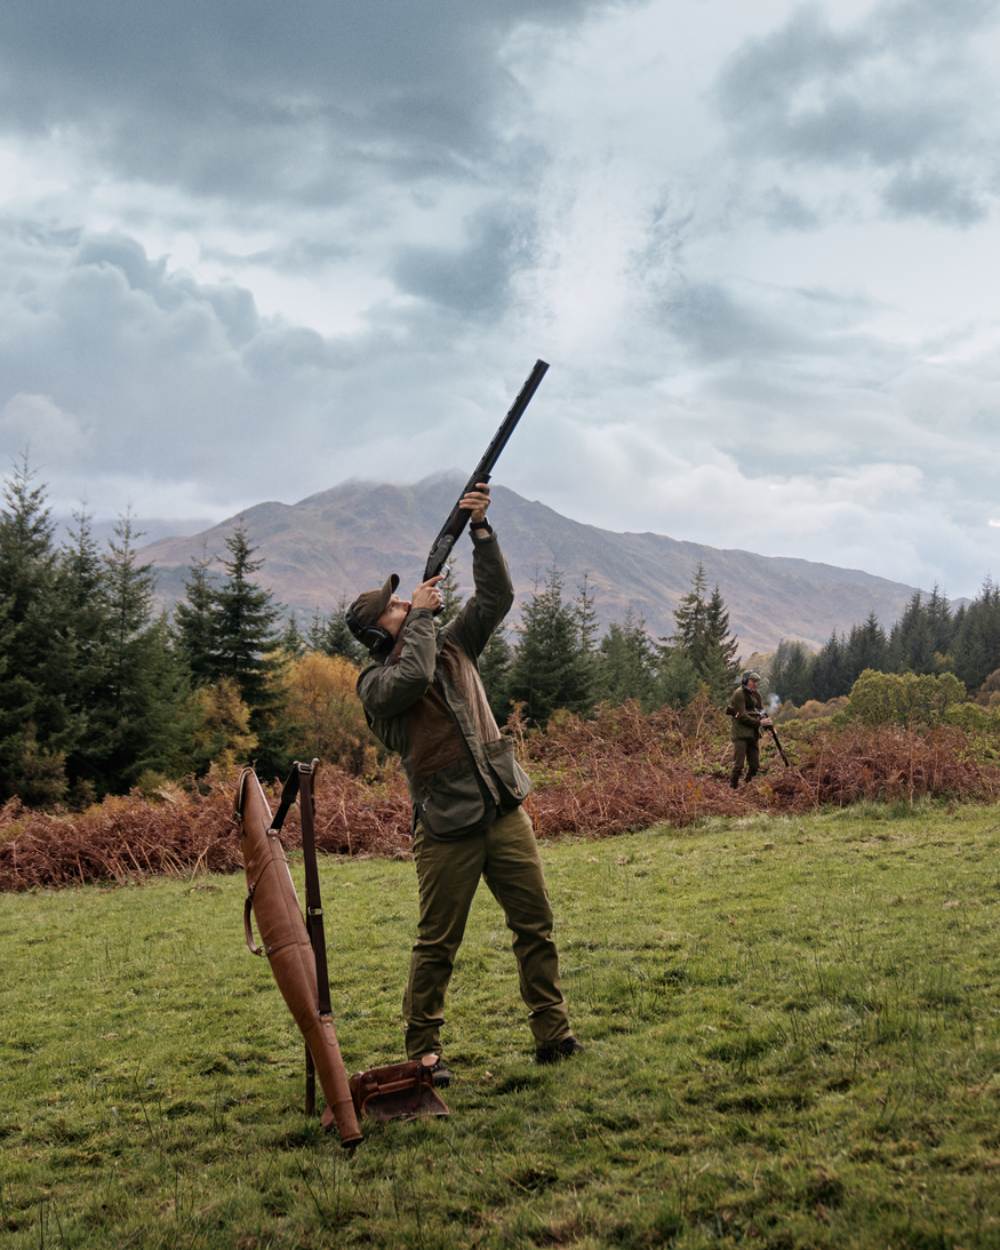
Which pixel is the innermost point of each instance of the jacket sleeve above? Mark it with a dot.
(490, 602)
(388, 690)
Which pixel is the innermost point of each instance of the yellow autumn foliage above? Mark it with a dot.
(321, 702)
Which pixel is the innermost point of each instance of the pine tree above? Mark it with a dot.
(867, 647)
(245, 617)
(721, 669)
(977, 642)
(911, 640)
(247, 641)
(451, 600)
(702, 634)
(675, 679)
(829, 670)
(548, 671)
(942, 624)
(83, 590)
(331, 635)
(139, 713)
(291, 640)
(791, 675)
(37, 727)
(494, 668)
(689, 618)
(195, 622)
(627, 663)
(587, 628)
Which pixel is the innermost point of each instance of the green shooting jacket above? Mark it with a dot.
(427, 703)
(742, 708)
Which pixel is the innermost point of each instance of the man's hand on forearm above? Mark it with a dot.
(476, 502)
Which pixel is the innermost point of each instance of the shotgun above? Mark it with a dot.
(458, 518)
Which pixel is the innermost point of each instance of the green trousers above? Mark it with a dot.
(745, 751)
(448, 873)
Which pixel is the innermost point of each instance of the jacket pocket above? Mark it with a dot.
(503, 763)
(451, 801)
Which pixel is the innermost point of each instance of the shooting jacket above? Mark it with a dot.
(427, 703)
(744, 707)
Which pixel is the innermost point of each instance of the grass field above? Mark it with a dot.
(792, 1030)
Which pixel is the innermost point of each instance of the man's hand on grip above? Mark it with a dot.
(427, 594)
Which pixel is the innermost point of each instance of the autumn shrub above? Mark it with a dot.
(328, 722)
(619, 770)
(904, 698)
(811, 710)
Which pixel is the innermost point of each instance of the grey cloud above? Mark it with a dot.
(717, 325)
(264, 101)
(911, 23)
(160, 370)
(298, 256)
(930, 194)
(473, 279)
(233, 306)
(785, 211)
(184, 386)
(889, 93)
(846, 129)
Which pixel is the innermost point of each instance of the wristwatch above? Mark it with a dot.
(483, 525)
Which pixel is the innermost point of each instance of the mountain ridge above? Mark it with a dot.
(330, 545)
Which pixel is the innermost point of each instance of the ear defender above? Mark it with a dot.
(374, 637)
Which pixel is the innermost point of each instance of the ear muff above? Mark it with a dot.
(374, 637)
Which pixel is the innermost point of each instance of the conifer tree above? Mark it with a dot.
(867, 647)
(331, 635)
(829, 672)
(675, 680)
(627, 661)
(911, 640)
(689, 618)
(977, 641)
(494, 668)
(721, 669)
(245, 617)
(548, 671)
(83, 591)
(291, 640)
(139, 713)
(247, 641)
(791, 672)
(451, 599)
(942, 625)
(702, 634)
(195, 623)
(37, 726)
(586, 621)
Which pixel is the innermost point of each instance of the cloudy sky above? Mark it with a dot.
(249, 250)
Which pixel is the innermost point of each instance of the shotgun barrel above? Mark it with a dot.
(458, 518)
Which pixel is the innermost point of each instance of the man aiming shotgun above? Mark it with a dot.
(424, 699)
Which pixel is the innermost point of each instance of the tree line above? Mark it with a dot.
(930, 637)
(100, 691)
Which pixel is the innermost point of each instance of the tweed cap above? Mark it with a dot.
(369, 606)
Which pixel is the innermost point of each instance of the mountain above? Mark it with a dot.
(331, 545)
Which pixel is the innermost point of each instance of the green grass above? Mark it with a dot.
(791, 1030)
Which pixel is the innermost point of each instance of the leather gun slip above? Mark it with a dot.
(285, 941)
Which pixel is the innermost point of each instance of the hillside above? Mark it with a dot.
(330, 545)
